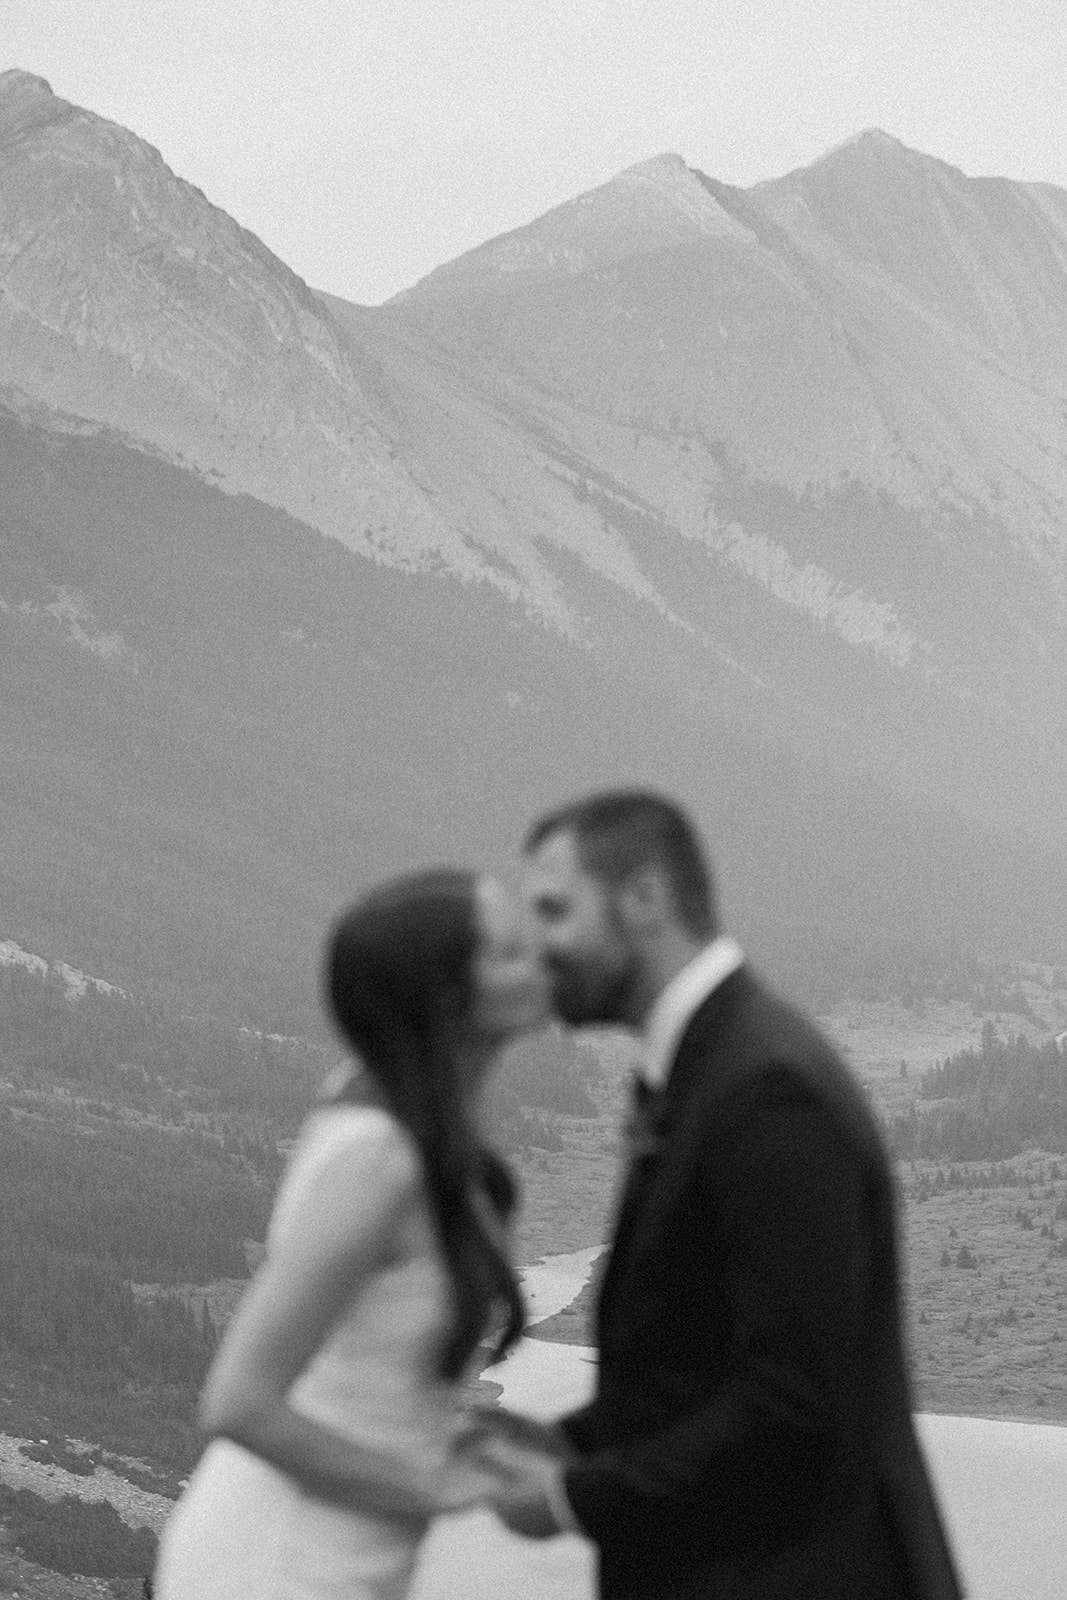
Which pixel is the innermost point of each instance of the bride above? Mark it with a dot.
(331, 1403)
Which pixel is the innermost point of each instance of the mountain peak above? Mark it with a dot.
(874, 145)
(684, 191)
(656, 203)
(104, 251)
(868, 139)
(17, 82)
(26, 101)
(669, 162)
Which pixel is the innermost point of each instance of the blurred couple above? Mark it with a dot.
(750, 1436)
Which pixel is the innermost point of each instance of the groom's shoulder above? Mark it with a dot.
(788, 1047)
(765, 1035)
(759, 1019)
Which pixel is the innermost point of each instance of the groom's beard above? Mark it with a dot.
(588, 989)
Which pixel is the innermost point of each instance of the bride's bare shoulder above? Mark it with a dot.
(362, 1143)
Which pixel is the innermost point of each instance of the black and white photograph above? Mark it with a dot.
(533, 800)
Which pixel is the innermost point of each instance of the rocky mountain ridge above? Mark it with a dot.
(131, 300)
(734, 490)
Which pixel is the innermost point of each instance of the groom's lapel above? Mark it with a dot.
(704, 1063)
(686, 1105)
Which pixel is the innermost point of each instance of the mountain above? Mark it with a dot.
(131, 299)
(837, 399)
(219, 724)
(757, 495)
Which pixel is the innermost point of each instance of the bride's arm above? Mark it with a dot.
(348, 1223)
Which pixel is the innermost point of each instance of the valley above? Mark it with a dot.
(756, 495)
(988, 1336)
(985, 1259)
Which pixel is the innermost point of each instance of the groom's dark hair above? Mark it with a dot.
(620, 831)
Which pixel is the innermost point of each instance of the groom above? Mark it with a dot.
(750, 1437)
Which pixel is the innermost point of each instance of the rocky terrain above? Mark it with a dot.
(802, 444)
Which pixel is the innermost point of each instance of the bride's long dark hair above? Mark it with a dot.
(399, 979)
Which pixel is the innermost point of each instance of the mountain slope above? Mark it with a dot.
(830, 455)
(756, 495)
(218, 725)
(129, 298)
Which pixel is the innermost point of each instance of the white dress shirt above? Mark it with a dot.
(678, 1003)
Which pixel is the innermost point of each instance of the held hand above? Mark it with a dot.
(483, 1425)
(528, 1489)
(472, 1479)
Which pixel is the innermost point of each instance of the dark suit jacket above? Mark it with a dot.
(751, 1431)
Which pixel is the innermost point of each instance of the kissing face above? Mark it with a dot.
(509, 981)
(590, 961)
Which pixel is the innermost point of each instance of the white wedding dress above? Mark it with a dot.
(243, 1530)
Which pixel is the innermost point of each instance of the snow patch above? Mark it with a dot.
(872, 624)
(76, 982)
(138, 1508)
(70, 609)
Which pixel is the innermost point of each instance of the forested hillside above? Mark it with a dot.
(990, 1102)
(139, 1154)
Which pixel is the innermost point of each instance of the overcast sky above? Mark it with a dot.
(367, 142)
